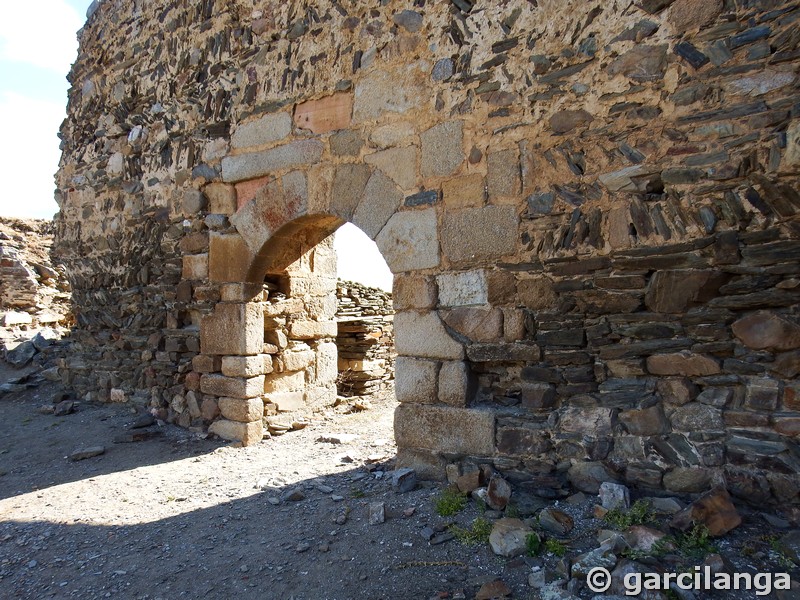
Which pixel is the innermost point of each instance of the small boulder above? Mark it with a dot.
(598, 558)
(556, 521)
(21, 354)
(63, 408)
(492, 590)
(469, 482)
(643, 538)
(614, 495)
(587, 476)
(294, 495)
(713, 509)
(537, 578)
(85, 453)
(404, 480)
(665, 506)
(45, 338)
(509, 537)
(498, 493)
(143, 420)
(377, 513)
(613, 540)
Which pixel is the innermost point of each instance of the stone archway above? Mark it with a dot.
(581, 226)
(282, 218)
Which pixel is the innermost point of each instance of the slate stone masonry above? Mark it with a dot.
(365, 339)
(591, 215)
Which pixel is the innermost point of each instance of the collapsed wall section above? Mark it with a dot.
(591, 213)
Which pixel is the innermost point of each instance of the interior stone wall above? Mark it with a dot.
(590, 209)
(364, 340)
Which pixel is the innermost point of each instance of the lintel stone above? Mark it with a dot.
(456, 383)
(479, 233)
(445, 429)
(442, 149)
(246, 433)
(195, 266)
(413, 291)
(243, 410)
(467, 288)
(287, 401)
(285, 382)
(243, 366)
(265, 130)
(306, 330)
(229, 258)
(325, 114)
(221, 198)
(203, 363)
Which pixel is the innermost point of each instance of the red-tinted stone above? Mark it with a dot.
(326, 114)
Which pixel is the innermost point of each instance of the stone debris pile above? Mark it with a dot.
(34, 294)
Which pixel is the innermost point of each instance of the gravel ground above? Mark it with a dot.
(180, 516)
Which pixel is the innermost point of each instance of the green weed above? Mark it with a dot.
(553, 546)
(533, 544)
(693, 544)
(783, 561)
(638, 514)
(450, 502)
(478, 533)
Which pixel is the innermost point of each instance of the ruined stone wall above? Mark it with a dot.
(34, 292)
(590, 209)
(29, 281)
(365, 339)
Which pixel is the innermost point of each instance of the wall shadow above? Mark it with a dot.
(35, 447)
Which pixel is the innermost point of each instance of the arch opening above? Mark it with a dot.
(326, 343)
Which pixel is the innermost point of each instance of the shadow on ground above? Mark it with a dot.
(22, 428)
(182, 517)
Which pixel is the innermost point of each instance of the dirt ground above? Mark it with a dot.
(178, 516)
(181, 516)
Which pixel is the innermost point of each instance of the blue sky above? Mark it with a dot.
(36, 53)
(37, 48)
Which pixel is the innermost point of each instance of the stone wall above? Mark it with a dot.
(590, 210)
(365, 339)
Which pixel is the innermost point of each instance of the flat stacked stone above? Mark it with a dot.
(365, 340)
